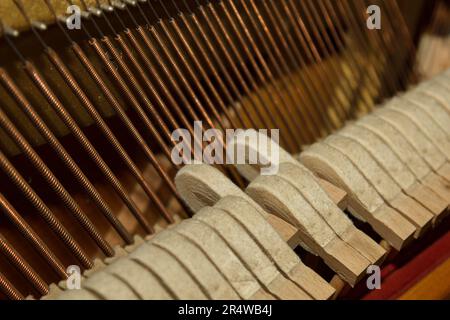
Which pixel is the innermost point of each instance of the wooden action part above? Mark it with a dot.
(364, 202)
(249, 252)
(145, 285)
(395, 134)
(171, 273)
(236, 273)
(307, 184)
(197, 264)
(382, 182)
(395, 168)
(202, 185)
(287, 262)
(277, 195)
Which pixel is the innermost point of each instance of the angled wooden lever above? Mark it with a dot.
(199, 267)
(169, 271)
(394, 129)
(279, 196)
(270, 242)
(225, 259)
(144, 283)
(212, 185)
(364, 202)
(202, 185)
(425, 122)
(378, 178)
(251, 254)
(395, 168)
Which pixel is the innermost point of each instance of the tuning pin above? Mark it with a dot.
(130, 2)
(39, 25)
(118, 4)
(62, 19)
(95, 11)
(33, 23)
(10, 31)
(85, 14)
(107, 7)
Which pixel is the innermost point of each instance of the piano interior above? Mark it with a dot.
(94, 92)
